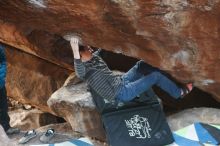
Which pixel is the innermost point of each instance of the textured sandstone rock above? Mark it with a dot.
(11, 35)
(30, 119)
(74, 103)
(190, 116)
(179, 36)
(32, 80)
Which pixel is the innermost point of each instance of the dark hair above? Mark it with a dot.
(85, 48)
(82, 48)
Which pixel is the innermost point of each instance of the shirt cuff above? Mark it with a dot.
(77, 61)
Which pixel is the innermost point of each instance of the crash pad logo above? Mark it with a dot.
(138, 127)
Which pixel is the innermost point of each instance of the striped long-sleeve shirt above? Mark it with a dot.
(98, 76)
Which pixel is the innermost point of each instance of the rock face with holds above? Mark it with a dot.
(32, 80)
(179, 36)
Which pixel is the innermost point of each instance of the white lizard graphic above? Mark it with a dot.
(138, 127)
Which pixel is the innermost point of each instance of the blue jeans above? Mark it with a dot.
(142, 77)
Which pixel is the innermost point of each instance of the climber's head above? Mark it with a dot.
(85, 53)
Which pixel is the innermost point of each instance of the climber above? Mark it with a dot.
(91, 68)
(4, 118)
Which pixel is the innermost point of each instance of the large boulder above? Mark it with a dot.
(74, 103)
(179, 36)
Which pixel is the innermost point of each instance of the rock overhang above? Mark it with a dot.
(178, 36)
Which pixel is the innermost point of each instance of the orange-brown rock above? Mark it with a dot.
(32, 80)
(9, 34)
(179, 36)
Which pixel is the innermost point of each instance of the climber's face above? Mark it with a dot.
(86, 54)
